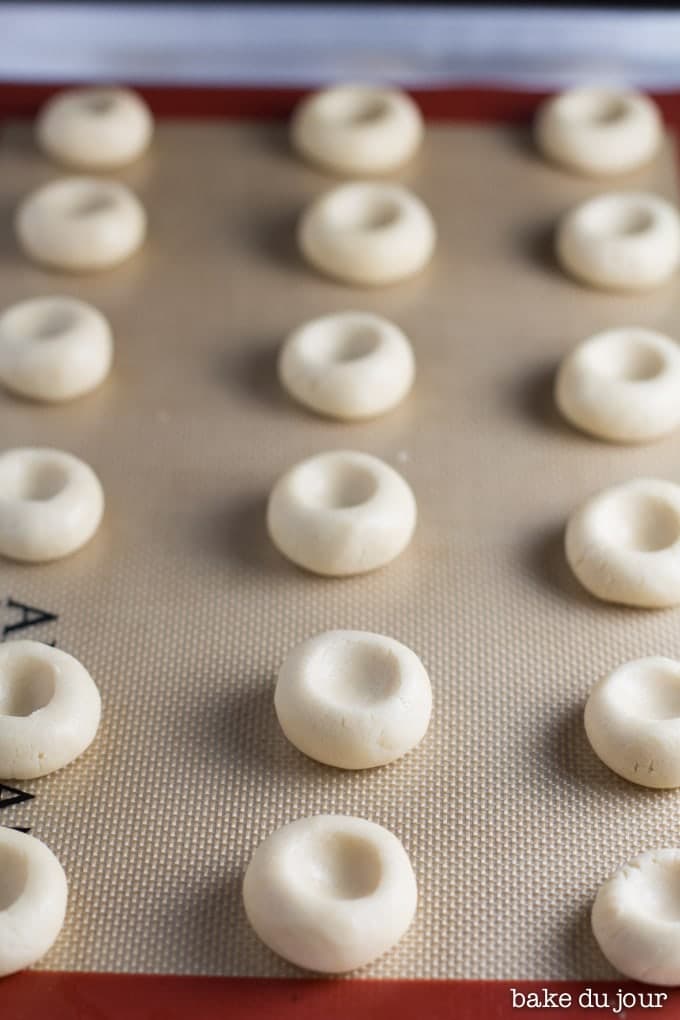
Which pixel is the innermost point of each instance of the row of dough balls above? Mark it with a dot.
(85, 223)
(632, 720)
(50, 710)
(332, 893)
(336, 514)
(624, 544)
(350, 699)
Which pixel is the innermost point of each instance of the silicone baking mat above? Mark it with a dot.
(183, 611)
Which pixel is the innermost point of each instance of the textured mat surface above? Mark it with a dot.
(183, 611)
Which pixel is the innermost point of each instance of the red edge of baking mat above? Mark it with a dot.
(85, 996)
(60, 996)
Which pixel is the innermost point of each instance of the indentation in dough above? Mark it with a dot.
(41, 481)
(26, 685)
(627, 357)
(99, 105)
(13, 875)
(640, 521)
(92, 205)
(53, 323)
(341, 866)
(652, 693)
(373, 214)
(349, 341)
(608, 110)
(655, 887)
(341, 485)
(631, 220)
(358, 674)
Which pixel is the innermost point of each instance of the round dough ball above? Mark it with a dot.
(51, 504)
(624, 544)
(622, 385)
(33, 895)
(80, 224)
(353, 699)
(599, 131)
(341, 513)
(626, 241)
(330, 893)
(94, 128)
(54, 348)
(351, 365)
(632, 719)
(49, 709)
(636, 918)
(367, 234)
(357, 129)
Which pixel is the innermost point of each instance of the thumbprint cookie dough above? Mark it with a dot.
(632, 719)
(368, 234)
(330, 893)
(599, 132)
(353, 699)
(636, 917)
(94, 128)
(33, 896)
(622, 385)
(54, 348)
(51, 504)
(351, 365)
(49, 709)
(80, 224)
(341, 513)
(623, 544)
(624, 240)
(357, 129)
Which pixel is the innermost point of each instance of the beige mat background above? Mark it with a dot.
(183, 611)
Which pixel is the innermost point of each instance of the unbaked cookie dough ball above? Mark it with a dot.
(625, 241)
(80, 224)
(623, 544)
(341, 513)
(49, 709)
(632, 719)
(54, 348)
(622, 385)
(599, 131)
(353, 699)
(51, 504)
(330, 893)
(357, 129)
(368, 234)
(95, 128)
(636, 918)
(33, 895)
(350, 365)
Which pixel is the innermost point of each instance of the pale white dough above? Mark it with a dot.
(624, 240)
(357, 129)
(33, 895)
(51, 503)
(330, 893)
(599, 131)
(367, 233)
(350, 365)
(54, 348)
(624, 544)
(622, 385)
(632, 719)
(341, 513)
(49, 709)
(95, 128)
(353, 699)
(636, 917)
(80, 224)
